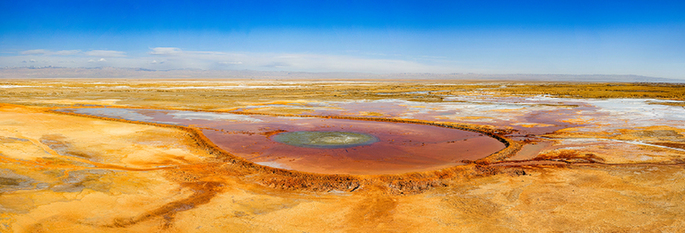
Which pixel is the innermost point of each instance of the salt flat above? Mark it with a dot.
(577, 158)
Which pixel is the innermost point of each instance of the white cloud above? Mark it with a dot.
(98, 60)
(105, 53)
(166, 51)
(35, 52)
(230, 62)
(66, 52)
(48, 52)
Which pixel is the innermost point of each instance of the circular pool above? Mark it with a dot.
(325, 145)
(325, 139)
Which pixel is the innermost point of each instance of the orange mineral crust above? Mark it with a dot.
(181, 156)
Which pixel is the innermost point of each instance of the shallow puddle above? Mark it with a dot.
(349, 146)
(325, 139)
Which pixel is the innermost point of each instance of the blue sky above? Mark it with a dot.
(491, 37)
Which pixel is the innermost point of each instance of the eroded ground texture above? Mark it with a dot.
(155, 156)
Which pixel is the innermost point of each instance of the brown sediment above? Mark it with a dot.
(570, 156)
(273, 132)
(203, 193)
(671, 144)
(530, 150)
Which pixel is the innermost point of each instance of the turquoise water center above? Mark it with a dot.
(325, 139)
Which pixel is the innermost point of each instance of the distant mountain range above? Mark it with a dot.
(137, 73)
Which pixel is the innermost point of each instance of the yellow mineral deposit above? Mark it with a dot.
(171, 156)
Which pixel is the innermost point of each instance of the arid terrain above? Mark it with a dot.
(191, 155)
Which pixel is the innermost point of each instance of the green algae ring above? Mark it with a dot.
(325, 139)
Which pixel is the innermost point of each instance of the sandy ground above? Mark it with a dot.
(64, 173)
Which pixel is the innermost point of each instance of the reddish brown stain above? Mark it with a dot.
(203, 193)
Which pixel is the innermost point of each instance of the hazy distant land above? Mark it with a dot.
(111, 72)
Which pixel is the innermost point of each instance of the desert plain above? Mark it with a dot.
(192, 155)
